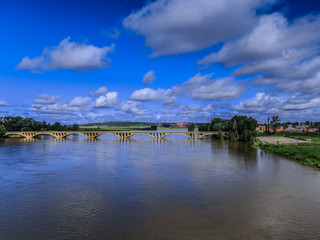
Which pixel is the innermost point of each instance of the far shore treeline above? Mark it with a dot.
(29, 124)
(239, 128)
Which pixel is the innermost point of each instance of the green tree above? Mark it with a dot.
(275, 122)
(191, 127)
(244, 128)
(267, 124)
(220, 135)
(154, 127)
(204, 127)
(57, 127)
(317, 125)
(75, 127)
(3, 131)
(219, 124)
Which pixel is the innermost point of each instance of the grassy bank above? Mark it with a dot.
(313, 136)
(306, 154)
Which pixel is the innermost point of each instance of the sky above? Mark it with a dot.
(159, 61)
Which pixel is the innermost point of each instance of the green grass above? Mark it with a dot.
(306, 154)
(313, 136)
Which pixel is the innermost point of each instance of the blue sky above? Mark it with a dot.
(159, 61)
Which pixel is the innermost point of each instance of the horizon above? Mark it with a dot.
(160, 61)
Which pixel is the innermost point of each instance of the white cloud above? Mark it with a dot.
(132, 107)
(70, 56)
(287, 106)
(4, 104)
(99, 92)
(109, 100)
(80, 101)
(261, 102)
(49, 104)
(203, 87)
(302, 105)
(149, 77)
(273, 38)
(180, 26)
(54, 108)
(198, 87)
(148, 94)
(46, 99)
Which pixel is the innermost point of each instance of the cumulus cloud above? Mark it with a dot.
(46, 99)
(282, 53)
(261, 102)
(132, 107)
(203, 87)
(288, 106)
(198, 87)
(147, 94)
(99, 92)
(180, 26)
(54, 108)
(108, 100)
(273, 37)
(70, 56)
(149, 77)
(80, 101)
(49, 104)
(4, 104)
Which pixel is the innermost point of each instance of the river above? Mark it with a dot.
(146, 189)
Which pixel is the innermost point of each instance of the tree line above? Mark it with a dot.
(29, 124)
(240, 128)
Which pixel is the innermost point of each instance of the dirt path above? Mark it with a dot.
(281, 140)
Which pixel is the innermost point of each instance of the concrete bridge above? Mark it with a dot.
(120, 134)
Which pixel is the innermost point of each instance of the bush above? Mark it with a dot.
(244, 128)
(191, 127)
(3, 131)
(220, 135)
(154, 127)
(204, 127)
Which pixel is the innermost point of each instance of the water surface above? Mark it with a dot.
(146, 189)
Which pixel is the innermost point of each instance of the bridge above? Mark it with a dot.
(120, 134)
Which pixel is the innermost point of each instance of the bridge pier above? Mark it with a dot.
(121, 135)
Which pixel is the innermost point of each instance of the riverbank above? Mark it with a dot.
(305, 152)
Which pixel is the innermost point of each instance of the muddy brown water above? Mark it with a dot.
(145, 189)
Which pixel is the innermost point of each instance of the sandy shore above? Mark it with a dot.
(281, 140)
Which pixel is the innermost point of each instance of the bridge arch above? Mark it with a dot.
(119, 134)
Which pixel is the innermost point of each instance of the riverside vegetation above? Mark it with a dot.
(240, 128)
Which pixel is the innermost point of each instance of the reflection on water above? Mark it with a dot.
(153, 189)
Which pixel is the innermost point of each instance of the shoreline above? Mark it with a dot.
(304, 152)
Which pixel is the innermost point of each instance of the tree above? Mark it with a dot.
(285, 125)
(317, 125)
(275, 122)
(204, 127)
(154, 127)
(191, 127)
(268, 126)
(3, 131)
(57, 127)
(244, 128)
(220, 135)
(75, 127)
(219, 124)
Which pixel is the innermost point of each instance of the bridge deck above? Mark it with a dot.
(120, 134)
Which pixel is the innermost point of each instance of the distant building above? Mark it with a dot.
(181, 125)
(261, 128)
